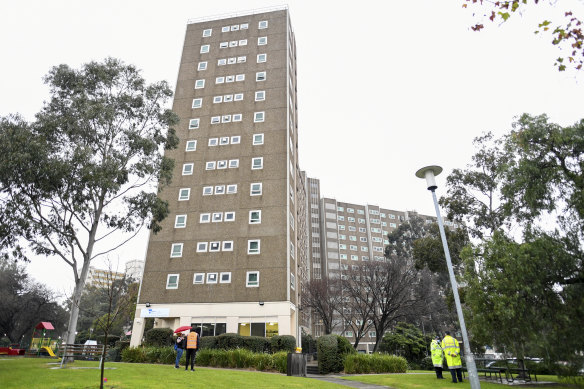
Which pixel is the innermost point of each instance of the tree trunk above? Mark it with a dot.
(76, 300)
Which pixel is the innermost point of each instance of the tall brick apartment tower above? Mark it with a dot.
(228, 256)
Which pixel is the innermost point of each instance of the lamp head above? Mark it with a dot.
(429, 173)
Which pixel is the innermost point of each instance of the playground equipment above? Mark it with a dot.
(40, 344)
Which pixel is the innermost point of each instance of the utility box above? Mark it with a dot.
(296, 365)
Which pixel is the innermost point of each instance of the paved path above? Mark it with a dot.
(340, 381)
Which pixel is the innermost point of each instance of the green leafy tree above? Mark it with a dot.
(408, 341)
(84, 172)
(524, 285)
(24, 303)
(566, 34)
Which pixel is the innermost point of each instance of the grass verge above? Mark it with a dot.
(37, 373)
(428, 380)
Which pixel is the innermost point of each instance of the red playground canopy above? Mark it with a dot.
(44, 325)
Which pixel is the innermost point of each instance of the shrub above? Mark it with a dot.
(281, 361)
(158, 337)
(206, 356)
(133, 354)
(122, 344)
(208, 342)
(282, 343)
(152, 354)
(240, 358)
(167, 355)
(344, 347)
(427, 364)
(374, 363)
(257, 344)
(229, 341)
(263, 361)
(329, 360)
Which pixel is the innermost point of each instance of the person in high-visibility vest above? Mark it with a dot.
(437, 357)
(452, 352)
(192, 347)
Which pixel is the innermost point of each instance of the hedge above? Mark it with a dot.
(158, 337)
(374, 363)
(329, 361)
(229, 341)
(283, 343)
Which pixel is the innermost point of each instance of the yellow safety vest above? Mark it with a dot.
(193, 340)
(452, 352)
(437, 355)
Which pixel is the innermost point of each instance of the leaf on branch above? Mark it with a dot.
(477, 27)
(504, 15)
(464, 6)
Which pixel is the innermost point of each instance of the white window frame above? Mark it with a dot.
(207, 190)
(249, 249)
(236, 139)
(239, 78)
(217, 217)
(201, 277)
(237, 117)
(227, 245)
(243, 42)
(215, 119)
(202, 247)
(194, 123)
(256, 192)
(207, 32)
(204, 218)
(217, 99)
(214, 247)
(210, 165)
(200, 84)
(225, 29)
(212, 278)
(259, 117)
(261, 58)
(168, 281)
(197, 103)
(213, 142)
(202, 66)
(262, 40)
(219, 189)
(256, 283)
(204, 49)
(231, 188)
(222, 164)
(225, 273)
(257, 163)
(182, 197)
(233, 163)
(262, 24)
(260, 95)
(228, 98)
(238, 97)
(244, 26)
(257, 220)
(224, 140)
(242, 59)
(179, 252)
(229, 216)
(187, 169)
(191, 145)
(223, 45)
(257, 139)
(261, 76)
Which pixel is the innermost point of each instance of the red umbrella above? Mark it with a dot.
(183, 328)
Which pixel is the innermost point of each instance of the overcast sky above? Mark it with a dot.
(384, 87)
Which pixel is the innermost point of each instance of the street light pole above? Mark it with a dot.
(429, 173)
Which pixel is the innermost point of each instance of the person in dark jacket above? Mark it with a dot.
(192, 346)
(180, 348)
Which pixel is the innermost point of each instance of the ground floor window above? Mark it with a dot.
(211, 329)
(258, 329)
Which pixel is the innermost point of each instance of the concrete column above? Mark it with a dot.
(284, 326)
(232, 324)
(137, 332)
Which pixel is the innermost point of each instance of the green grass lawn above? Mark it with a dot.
(37, 373)
(428, 380)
